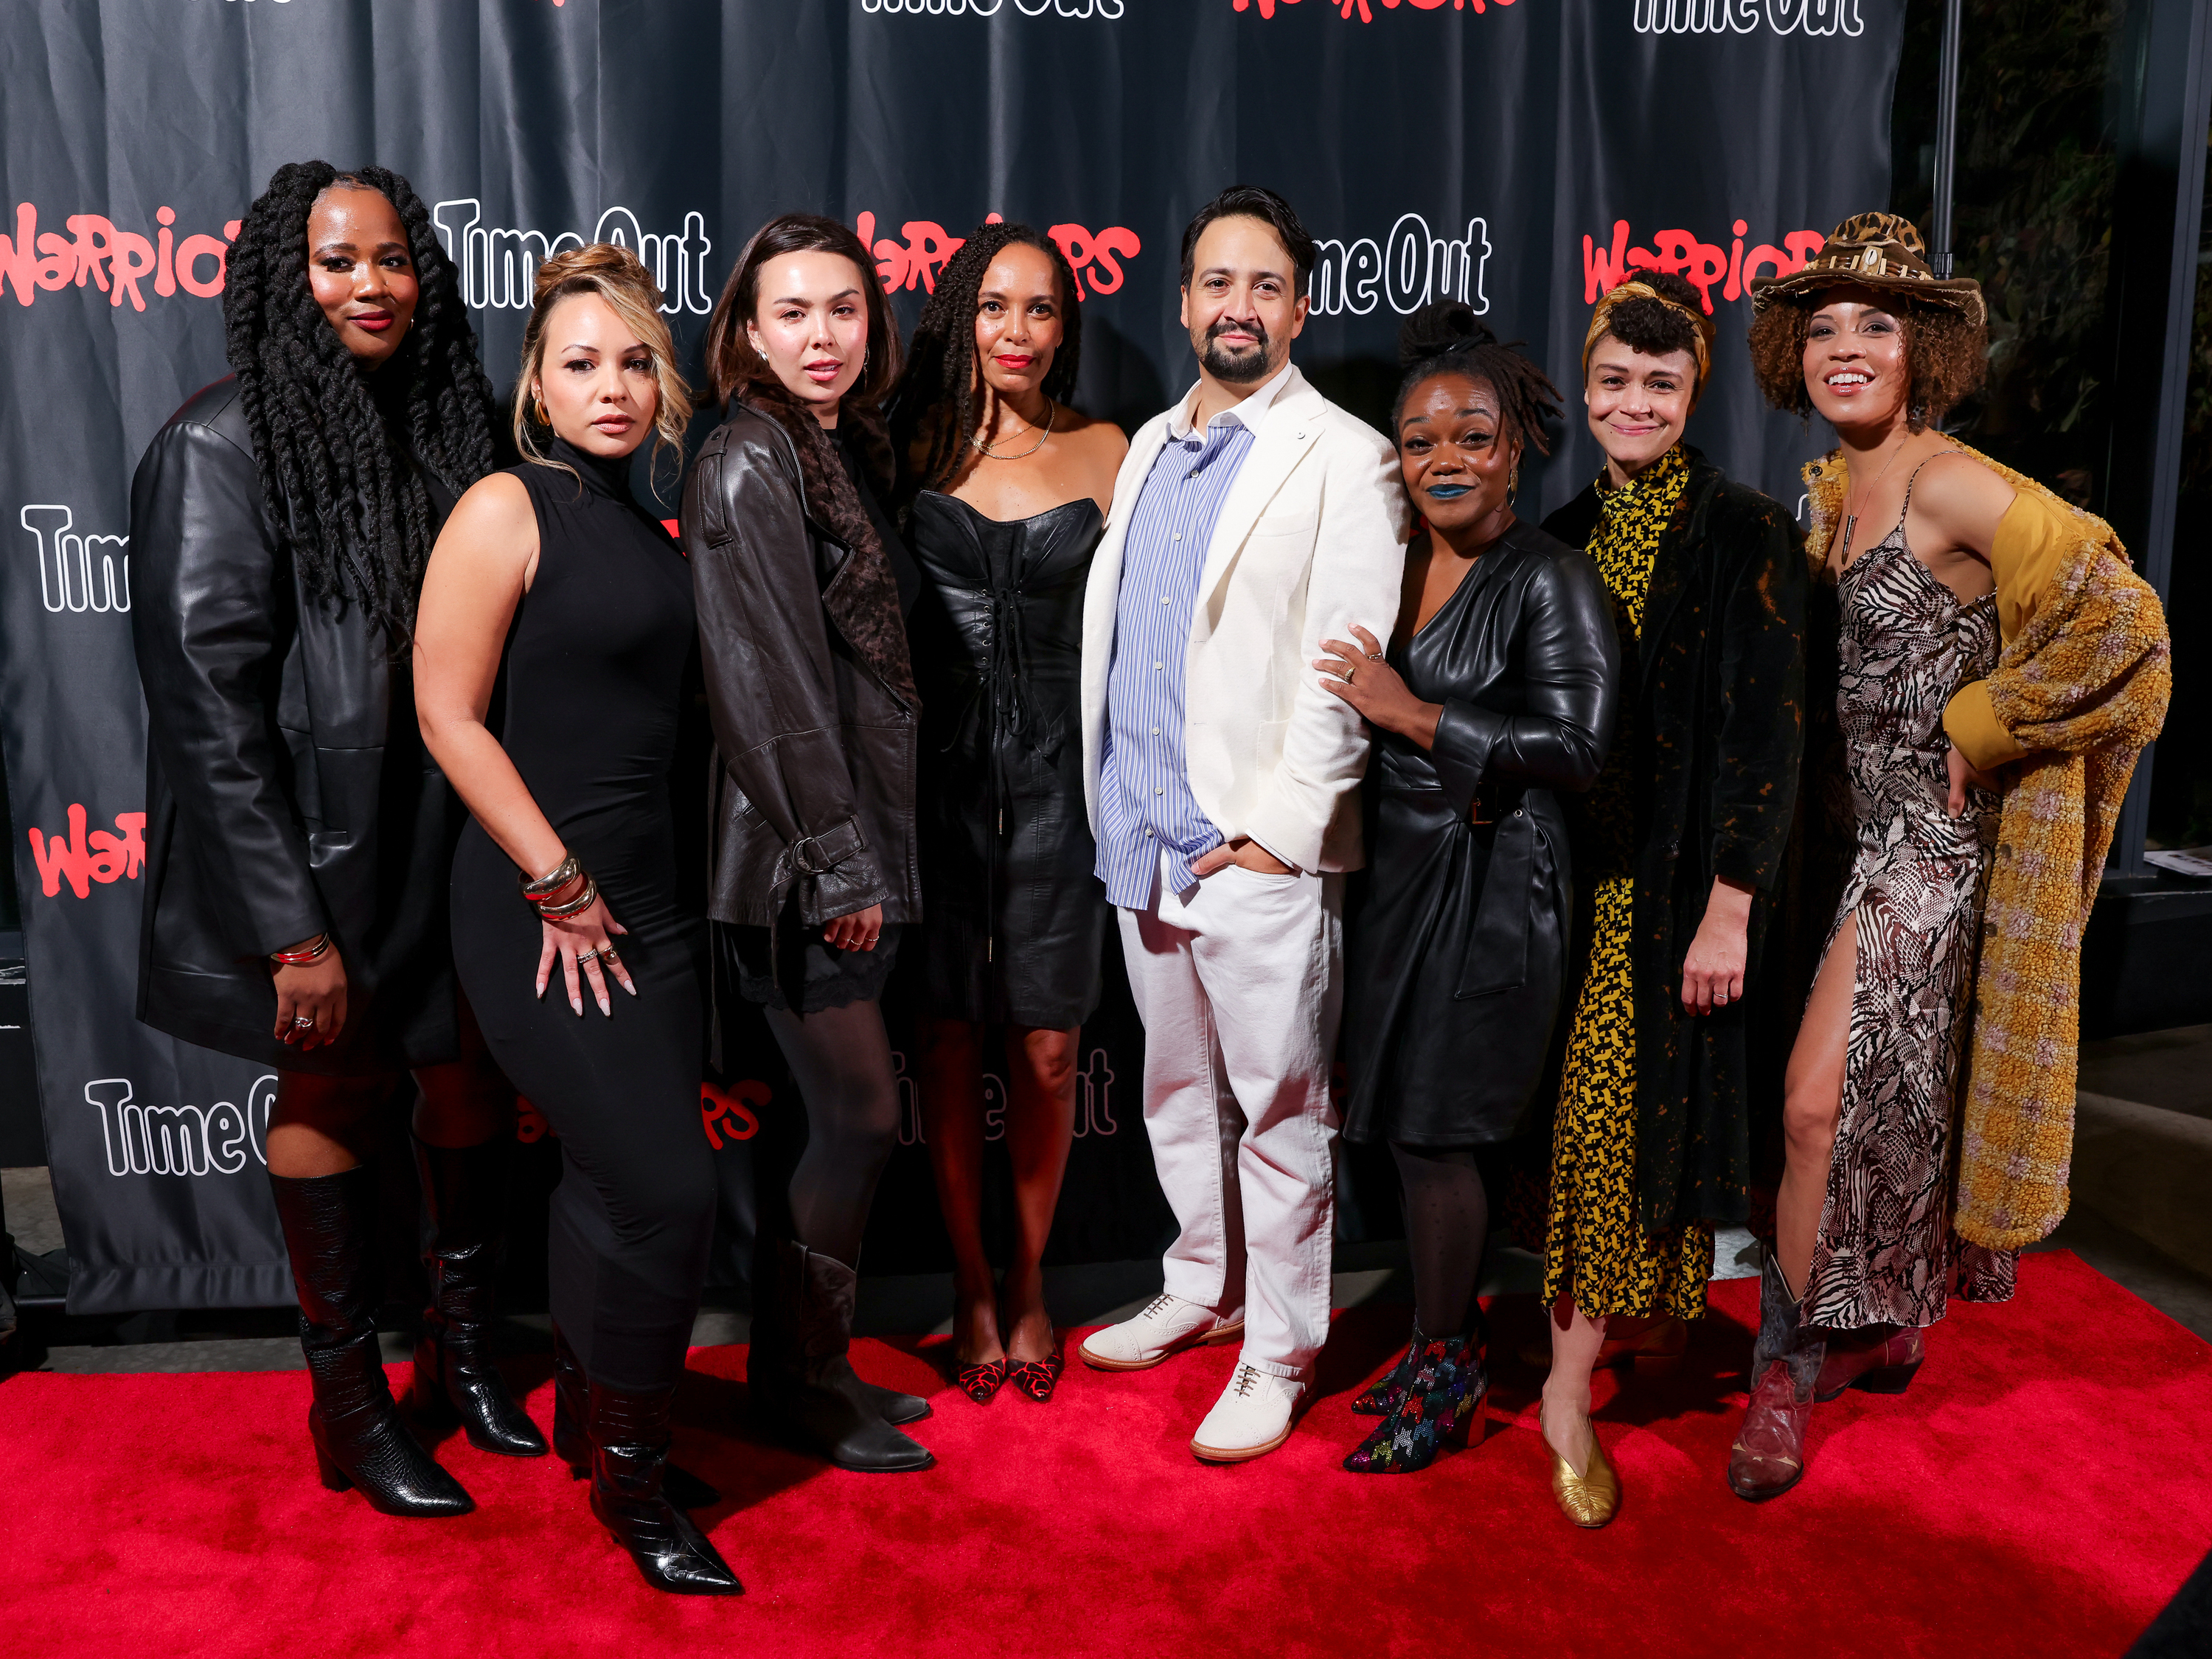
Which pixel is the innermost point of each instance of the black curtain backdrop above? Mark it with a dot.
(1513, 154)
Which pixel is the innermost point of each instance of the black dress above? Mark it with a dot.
(1459, 951)
(1013, 919)
(592, 682)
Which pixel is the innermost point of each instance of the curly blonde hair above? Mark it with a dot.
(617, 277)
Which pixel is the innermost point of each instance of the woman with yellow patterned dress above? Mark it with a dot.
(1676, 850)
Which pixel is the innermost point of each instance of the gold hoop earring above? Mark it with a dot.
(1513, 484)
(537, 408)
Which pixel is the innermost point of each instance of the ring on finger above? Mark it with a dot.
(609, 956)
(302, 1023)
(583, 957)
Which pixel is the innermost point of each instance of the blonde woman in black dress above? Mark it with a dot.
(553, 585)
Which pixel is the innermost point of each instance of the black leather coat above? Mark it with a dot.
(288, 792)
(1458, 950)
(1719, 723)
(815, 795)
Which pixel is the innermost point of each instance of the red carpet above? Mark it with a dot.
(2043, 1490)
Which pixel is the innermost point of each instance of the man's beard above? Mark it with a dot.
(1236, 368)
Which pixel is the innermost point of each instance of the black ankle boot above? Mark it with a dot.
(571, 1398)
(360, 1440)
(629, 1435)
(464, 1192)
(801, 1378)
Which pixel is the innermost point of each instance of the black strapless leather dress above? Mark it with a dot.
(1013, 920)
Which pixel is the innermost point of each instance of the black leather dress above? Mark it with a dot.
(1013, 920)
(1458, 953)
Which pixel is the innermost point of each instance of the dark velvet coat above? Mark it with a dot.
(1715, 707)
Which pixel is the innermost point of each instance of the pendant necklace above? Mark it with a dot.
(1851, 519)
(976, 443)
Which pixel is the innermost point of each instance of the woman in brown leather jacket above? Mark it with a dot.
(803, 586)
(299, 835)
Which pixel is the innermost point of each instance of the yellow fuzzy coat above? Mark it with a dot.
(2079, 692)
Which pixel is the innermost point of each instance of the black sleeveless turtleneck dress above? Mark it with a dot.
(593, 678)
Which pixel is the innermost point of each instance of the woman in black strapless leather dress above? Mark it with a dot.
(554, 588)
(1007, 486)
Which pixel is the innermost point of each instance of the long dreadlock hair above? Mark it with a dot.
(326, 440)
(935, 399)
(1447, 337)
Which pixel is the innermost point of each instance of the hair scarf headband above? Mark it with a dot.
(1701, 327)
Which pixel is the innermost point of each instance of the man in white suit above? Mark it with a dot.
(1250, 521)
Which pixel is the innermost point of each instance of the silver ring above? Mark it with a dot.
(583, 957)
(301, 1023)
(1374, 656)
(1720, 999)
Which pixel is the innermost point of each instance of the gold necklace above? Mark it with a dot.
(976, 443)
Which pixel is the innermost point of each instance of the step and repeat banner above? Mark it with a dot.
(1516, 153)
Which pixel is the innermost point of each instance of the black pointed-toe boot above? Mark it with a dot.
(360, 1440)
(629, 1435)
(463, 1199)
(571, 1400)
(801, 1378)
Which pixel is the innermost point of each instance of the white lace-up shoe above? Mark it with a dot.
(1252, 1416)
(1166, 1325)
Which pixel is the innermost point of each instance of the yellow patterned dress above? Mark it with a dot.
(1595, 1247)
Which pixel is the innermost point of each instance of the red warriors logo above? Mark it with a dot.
(1704, 263)
(121, 263)
(916, 261)
(80, 859)
(1365, 9)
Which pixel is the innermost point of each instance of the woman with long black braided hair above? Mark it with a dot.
(1008, 487)
(298, 834)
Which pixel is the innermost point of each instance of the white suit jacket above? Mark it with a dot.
(1311, 539)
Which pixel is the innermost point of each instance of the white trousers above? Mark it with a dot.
(1239, 992)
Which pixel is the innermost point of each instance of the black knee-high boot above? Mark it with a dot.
(572, 1404)
(800, 1377)
(463, 1197)
(330, 1233)
(629, 1436)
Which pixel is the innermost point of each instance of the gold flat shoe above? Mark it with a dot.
(1590, 1498)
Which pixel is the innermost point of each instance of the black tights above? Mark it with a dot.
(841, 1059)
(1447, 1224)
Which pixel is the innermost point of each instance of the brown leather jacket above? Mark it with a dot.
(814, 798)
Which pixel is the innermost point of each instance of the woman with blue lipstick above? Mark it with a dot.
(1497, 691)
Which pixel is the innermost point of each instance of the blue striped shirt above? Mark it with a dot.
(1145, 805)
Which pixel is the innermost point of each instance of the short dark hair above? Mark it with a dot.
(731, 359)
(1254, 202)
(1653, 329)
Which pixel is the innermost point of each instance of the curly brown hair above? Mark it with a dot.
(1949, 354)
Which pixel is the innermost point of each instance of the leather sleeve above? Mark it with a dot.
(205, 574)
(771, 691)
(1571, 684)
(1761, 616)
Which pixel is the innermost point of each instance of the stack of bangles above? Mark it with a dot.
(565, 890)
(311, 952)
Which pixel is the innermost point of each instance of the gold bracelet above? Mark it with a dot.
(582, 902)
(559, 876)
